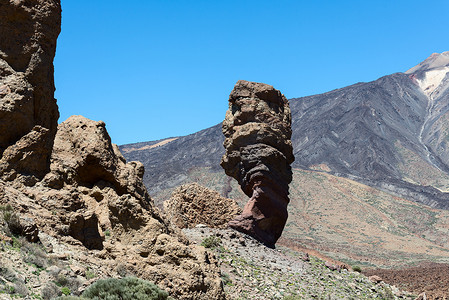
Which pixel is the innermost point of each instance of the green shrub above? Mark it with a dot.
(125, 288)
(11, 219)
(211, 242)
(61, 280)
(90, 274)
(65, 290)
(357, 269)
(50, 291)
(226, 279)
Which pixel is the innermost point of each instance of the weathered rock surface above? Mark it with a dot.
(92, 199)
(192, 204)
(83, 155)
(28, 31)
(257, 131)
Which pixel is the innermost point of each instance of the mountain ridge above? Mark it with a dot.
(360, 132)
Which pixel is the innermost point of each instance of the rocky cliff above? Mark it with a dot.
(68, 187)
(28, 110)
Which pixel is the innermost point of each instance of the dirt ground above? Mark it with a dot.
(431, 278)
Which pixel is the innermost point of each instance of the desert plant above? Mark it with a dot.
(50, 291)
(211, 242)
(11, 219)
(35, 255)
(8, 274)
(20, 289)
(65, 290)
(125, 288)
(226, 279)
(61, 280)
(388, 293)
(90, 274)
(357, 269)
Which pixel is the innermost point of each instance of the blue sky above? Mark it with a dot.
(157, 69)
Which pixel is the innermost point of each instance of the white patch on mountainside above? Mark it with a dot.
(436, 60)
(432, 80)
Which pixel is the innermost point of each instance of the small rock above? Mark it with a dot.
(332, 267)
(53, 270)
(421, 296)
(375, 279)
(78, 270)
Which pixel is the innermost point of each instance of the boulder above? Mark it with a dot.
(257, 130)
(192, 204)
(84, 155)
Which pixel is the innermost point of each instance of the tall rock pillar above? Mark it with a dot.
(259, 152)
(28, 110)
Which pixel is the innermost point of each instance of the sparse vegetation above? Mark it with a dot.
(50, 291)
(65, 290)
(125, 288)
(226, 279)
(211, 242)
(11, 219)
(357, 269)
(90, 274)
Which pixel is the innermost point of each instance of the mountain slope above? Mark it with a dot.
(390, 133)
(349, 221)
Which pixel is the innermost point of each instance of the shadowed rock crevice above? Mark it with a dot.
(257, 131)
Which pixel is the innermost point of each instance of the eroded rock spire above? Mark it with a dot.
(259, 152)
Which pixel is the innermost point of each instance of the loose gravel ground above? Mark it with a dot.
(253, 271)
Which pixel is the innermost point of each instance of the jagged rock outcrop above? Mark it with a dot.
(192, 204)
(93, 199)
(83, 155)
(68, 185)
(28, 110)
(257, 131)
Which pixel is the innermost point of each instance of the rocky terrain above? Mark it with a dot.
(370, 179)
(73, 210)
(430, 279)
(257, 131)
(252, 271)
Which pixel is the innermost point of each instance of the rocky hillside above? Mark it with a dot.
(389, 134)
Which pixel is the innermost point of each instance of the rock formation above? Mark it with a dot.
(28, 110)
(192, 204)
(92, 200)
(68, 186)
(257, 131)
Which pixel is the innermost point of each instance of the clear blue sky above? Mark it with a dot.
(157, 69)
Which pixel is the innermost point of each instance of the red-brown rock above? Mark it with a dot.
(259, 152)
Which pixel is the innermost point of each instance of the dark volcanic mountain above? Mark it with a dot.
(390, 133)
